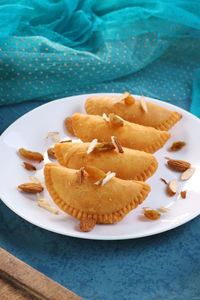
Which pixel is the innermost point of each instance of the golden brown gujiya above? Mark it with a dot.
(131, 164)
(105, 204)
(130, 135)
(156, 116)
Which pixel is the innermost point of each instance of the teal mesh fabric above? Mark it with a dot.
(51, 49)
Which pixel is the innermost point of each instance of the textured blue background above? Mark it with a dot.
(52, 49)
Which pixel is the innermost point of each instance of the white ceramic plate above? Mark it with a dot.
(30, 131)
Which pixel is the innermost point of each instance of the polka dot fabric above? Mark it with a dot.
(161, 63)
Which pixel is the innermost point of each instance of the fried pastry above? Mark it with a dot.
(130, 135)
(154, 116)
(86, 200)
(131, 164)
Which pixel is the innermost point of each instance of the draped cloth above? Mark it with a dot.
(51, 49)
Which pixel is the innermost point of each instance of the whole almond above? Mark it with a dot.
(29, 167)
(172, 188)
(31, 187)
(178, 165)
(187, 174)
(36, 156)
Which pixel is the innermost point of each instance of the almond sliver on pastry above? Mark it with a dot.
(131, 164)
(155, 116)
(105, 204)
(130, 135)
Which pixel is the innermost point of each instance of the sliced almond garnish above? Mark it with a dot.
(31, 187)
(92, 146)
(68, 126)
(143, 104)
(108, 177)
(35, 179)
(87, 225)
(80, 175)
(177, 146)
(151, 214)
(54, 135)
(36, 156)
(187, 174)
(183, 194)
(51, 153)
(163, 180)
(105, 117)
(44, 204)
(104, 146)
(95, 173)
(67, 141)
(29, 167)
(178, 165)
(115, 121)
(121, 97)
(117, 144)
(172, 188)
(163, 209)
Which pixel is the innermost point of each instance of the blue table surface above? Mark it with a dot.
(164, 266)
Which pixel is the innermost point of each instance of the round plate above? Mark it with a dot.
(30, 132)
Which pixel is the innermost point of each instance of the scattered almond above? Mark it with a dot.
(177, 146)
(67, 141)
(178, 165)
(183, 194)
(68, 126)
(92, 145)
(151, 214)
(36, 156)
(187, 174)
(46, 205)
(51, 153)
(31, 187)
(163, 209)
(163, 180)
(95, 173)
(80, 175)
(117, 144)
(121, 98)
(104, 146)
(87, 225)
(115, 121)
(108, 177)
(172, 188)
(29, 166)
(35, 179)
(143, 104)
(54, 135)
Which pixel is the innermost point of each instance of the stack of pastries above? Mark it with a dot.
(102, 177)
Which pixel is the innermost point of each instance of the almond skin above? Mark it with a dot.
(178, 165)
(31, 187)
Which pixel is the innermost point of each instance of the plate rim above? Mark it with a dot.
(88, 235)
